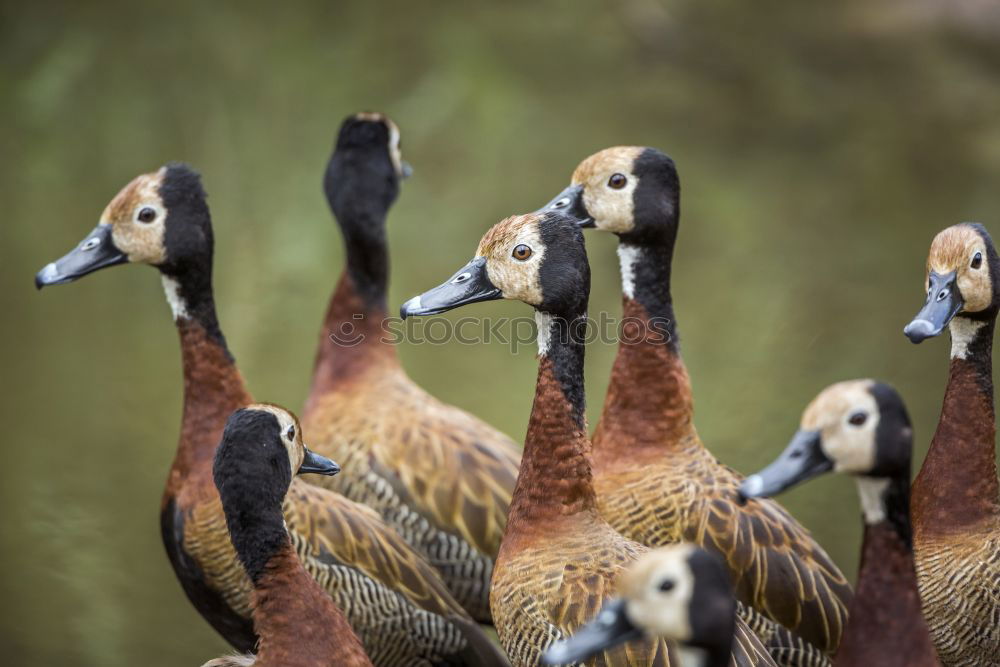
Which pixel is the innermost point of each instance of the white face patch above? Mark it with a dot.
(663, 613)
(518, 279)
(177, 304)
(138, 220)
(871, 490)
(612, 208)
(628, 256)
(847, 416)
(963, 330)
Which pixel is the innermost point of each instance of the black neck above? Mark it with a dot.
(367, 256)
(195, 298)
(896, 503)
(256, 523)
(646, 265)
(563, 343)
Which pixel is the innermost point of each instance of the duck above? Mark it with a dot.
(955, 496)
(559, 559)
(656, 481)
(680, 593)
(440, 476)
(862, 428)
(395, 601)
(298, 624)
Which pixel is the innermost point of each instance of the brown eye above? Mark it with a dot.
(666, 585)
(617, 181)
(977, 261)
(291, 433)
(858, 418)
(147, 214)
(522, 252)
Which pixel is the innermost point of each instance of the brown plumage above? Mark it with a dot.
(393, 598)
(296, 621)
(559, 560)
(956, 502)
(440, 476)
(656, 481)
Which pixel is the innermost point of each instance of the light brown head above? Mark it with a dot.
(160, 218)
(963, 280)
(857, 427)
(631, 191)
(538, 258)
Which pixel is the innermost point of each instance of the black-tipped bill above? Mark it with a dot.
(802, 460)
(470, 285)
(943, 303)
(96, 251)
(313, 462)
(609, 629)
(570, 202)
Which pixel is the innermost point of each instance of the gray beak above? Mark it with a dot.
(313, 462)
(96, 251)
(405, 170)
(802, 460)
(469, 285)
(570, 202)
(944, 301)
(609, 629)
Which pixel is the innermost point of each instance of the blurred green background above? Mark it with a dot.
(820, 145)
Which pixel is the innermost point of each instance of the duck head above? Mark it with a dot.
(631, 191)
(261, 450)
(681, 593)
(963, 280)
(160, 218)
(363, 175)
(538, 258)
(264, 441)
(858, 427)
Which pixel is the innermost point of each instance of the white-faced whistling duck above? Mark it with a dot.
(394, 600)
(656, 481)
(442, 477)
(861, 428)
(559, 560)
(956, 504)
(296, 621)
(679, 593)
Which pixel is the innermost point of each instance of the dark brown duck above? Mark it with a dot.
(296, 621)
(440, 476)
(956, 501)
(656, 481)
(861, 428)
(394, 600)
(559, 561)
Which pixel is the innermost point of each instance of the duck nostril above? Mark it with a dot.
(942, 294)
(462, 278)
(562, 203)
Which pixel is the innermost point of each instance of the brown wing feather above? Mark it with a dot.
(356, 535)
(777, 567)
(456, 471)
